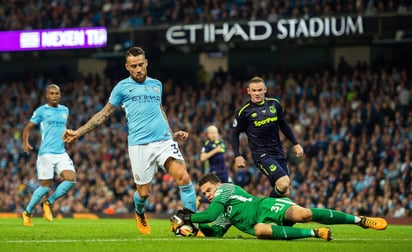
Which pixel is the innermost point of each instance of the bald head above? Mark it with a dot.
(212, 133)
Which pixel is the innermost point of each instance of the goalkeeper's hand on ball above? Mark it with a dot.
(180, 218)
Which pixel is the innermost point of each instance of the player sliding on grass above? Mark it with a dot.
(265, 218)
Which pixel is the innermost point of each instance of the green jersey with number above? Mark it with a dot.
(243, 210)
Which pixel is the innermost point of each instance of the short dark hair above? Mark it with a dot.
(210, 177)
(135, 51)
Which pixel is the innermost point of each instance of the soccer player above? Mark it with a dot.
(213, 150)
(151, 144)
(52, 156)
(265, 218)
(261, 118)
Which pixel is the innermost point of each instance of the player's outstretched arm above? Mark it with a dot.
(26, 135)
(98, 119)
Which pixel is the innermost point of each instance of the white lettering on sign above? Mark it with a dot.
(262, 30)
(62, 38)
(65, 38)
(187, 34)
(316, 27)
(29, 39)
(96, 37)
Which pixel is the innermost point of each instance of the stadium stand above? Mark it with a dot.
(355, 122)
(22, 15)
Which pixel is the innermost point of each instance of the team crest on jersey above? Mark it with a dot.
(254, 115)
(234, 123)
(65, 116)
(272, 109)
(156, 89)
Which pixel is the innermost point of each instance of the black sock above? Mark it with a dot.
(275, 193)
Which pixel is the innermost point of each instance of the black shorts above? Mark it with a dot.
(273, 167)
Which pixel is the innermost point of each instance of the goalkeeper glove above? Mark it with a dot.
(181, 217)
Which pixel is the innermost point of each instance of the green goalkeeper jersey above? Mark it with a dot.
(232, 205)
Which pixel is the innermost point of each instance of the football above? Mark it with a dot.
(186, 231)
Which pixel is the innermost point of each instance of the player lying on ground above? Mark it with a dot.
(265, 218)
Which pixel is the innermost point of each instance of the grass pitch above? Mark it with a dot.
(121, 235)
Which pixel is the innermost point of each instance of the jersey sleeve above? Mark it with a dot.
(237, 128)
(204, 147)
(284, 126)
(214, 229)
(116, 96)
(37, 116)
(210, 215)
(212, 222)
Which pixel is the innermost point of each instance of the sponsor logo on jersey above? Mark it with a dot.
(56, 123)
(265, 121)
(146, 98)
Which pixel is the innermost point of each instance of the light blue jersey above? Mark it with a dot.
(52, 121)
(141, 103)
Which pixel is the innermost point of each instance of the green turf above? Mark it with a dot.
(121, 235)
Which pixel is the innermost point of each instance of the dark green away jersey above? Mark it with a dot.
(233, 205)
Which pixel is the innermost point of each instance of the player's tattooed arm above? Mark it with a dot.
(98, 119)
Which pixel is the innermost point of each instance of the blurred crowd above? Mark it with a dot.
(42, 14)
(355, 124)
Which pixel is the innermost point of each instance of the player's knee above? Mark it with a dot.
(178, 170)
(298, 213)
(306, 215)
(282, 186)
(181, 177)
(69, 176)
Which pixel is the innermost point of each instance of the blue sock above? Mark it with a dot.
(61, 190)
(139, 203)
(188, 196)
(36, 197)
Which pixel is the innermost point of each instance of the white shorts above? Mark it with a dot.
(147, 158)
(49, 164)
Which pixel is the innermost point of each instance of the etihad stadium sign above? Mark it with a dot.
(260, 30)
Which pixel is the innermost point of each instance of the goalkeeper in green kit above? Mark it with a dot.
(265, 218)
